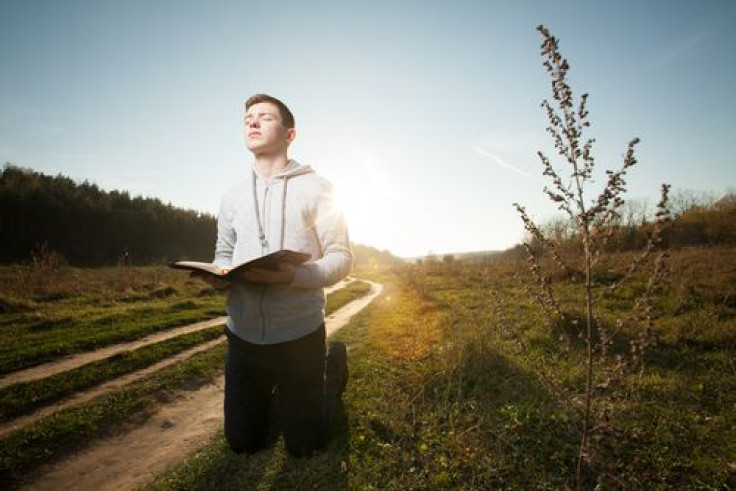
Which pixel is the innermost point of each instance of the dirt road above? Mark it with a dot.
(87, 395)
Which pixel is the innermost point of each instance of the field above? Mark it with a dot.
(87, 352)
(457, 381)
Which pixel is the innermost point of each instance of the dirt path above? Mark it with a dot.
(74, 361)
(77, 360)
(338, 319)
(130, 460)
(87, 395)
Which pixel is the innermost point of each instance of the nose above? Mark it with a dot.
(253, 123)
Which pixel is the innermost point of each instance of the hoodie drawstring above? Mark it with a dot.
(292, 170)
(283, 212)
(261, 235)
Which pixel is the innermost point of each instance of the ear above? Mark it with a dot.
(290, 134)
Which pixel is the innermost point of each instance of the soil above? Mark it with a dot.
(77, 360)
(87, 395)
(178, 428)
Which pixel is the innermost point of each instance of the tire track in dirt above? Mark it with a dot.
(71, 362)
(177, 429)
(82, 397)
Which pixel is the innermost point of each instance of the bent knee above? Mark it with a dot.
(247, 444)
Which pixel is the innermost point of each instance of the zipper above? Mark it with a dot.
(264, 250)
(265, 246)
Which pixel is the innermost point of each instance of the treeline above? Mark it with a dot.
(711, 222)
(89, 226)
(697, 219)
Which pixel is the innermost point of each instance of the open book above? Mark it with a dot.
(269, 261)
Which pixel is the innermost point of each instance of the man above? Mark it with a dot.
(275, 328)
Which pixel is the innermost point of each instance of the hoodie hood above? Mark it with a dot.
(292, 169)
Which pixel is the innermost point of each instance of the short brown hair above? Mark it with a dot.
(286, 117)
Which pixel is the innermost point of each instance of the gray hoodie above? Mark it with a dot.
(297, 211)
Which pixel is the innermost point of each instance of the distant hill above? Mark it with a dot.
(478, 257)
(91, 227)
(369, 257)
(473, 257)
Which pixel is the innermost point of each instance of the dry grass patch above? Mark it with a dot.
(410, 327)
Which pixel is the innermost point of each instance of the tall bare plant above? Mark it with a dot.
(594, 222)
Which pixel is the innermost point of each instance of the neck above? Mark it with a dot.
(270, 165)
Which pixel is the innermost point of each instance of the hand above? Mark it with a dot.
(218, 284)
(284, 275)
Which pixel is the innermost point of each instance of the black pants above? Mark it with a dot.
(295, 370)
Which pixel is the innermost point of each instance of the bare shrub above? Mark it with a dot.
(44, 260)
(593, 223)
(41, 275)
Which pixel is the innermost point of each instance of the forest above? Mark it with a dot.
(91, 227)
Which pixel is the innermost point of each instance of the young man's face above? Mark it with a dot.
(264, 130)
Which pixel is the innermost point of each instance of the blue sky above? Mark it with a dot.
(425, 114)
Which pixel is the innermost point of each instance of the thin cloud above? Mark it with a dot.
(503, 163)
(681, 47)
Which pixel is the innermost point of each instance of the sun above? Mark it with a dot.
(364, 211)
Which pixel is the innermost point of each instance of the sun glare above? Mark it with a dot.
(367, 196)
(362, 210)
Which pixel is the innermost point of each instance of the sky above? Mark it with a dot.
(425, 115)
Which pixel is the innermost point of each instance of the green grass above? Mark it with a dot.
(39, 337)
(22, 398)
(450, 388)
(354, 290)
(457, 381)
(82, 323)
(45, 315)
(673, 425)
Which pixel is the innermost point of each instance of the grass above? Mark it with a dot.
(81, 323)
(76, 310)
(391, 438)
(39, 337)
(457, 382)
(670, 425)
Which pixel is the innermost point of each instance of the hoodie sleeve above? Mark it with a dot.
(225, 237)
(337, 257)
